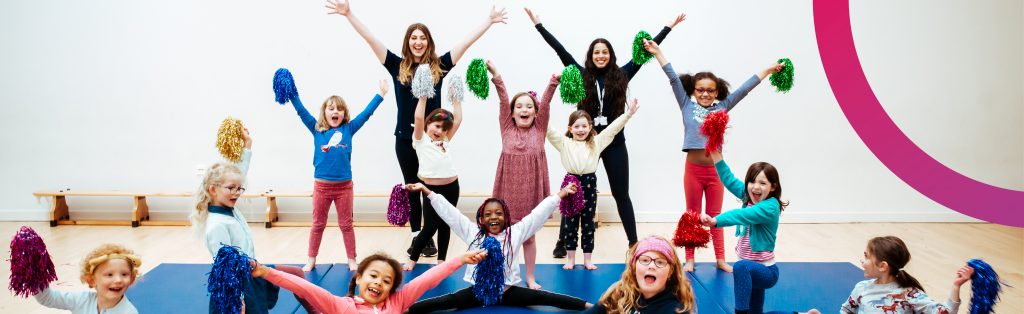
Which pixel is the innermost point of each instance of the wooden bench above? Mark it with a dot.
(60, 211)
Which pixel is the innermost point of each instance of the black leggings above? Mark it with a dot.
(410, 165)
(616, 164)
(570, 225)
(432, 222)
(514, 296)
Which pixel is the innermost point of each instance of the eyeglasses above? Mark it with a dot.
(646, 260)
(236, 189)
(708, 91)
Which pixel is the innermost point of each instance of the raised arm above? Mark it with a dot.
(737, 95)
(343, 9)
(460, 224)
(417, 118)
(456, 118)
(307, 119)
(63, 300)
(550, 39)
(358, 122)
(412, 291)
(504, 112)
(496, 16)
(631, 67)
(606, 136)
(532, 223)
(544, 107)
(555, 138)
(673, 78)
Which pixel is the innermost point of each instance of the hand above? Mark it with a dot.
(775, 67)
(633, 106)
(533, 17)
(413, 187)
(498, 16)
(246, 139)
(473, 257)
(716, 156)
(557, 76)
(677, 20)
(257, 269)
(963, 275)
(652, 47)
(384, 87)
(338, 7)
(491, 68)
(708, 221)
(567, 190)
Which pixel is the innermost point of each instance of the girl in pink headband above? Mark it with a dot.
(652, 283)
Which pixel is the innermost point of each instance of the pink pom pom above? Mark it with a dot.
(398, 206)
(690, 233)
(31, 267)
(714, 128)
(572, 205)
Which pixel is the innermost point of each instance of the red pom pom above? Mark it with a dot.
(31, 267)
(690, 233)
(714, 128)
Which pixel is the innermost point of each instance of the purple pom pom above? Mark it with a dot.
(398, 207)
(31, 267)
(572, 205)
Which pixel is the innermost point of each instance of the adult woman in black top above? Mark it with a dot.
(417, 49)
(605, 83)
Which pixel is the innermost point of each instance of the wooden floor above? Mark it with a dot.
(938, 249)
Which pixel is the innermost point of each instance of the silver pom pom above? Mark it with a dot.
(423, 82)
(455, 88)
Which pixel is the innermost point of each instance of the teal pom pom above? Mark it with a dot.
(783, 80)
(571, 89)
(284, 86)
(641, 55)
(476, 78)
(228, 279)
(489, 276)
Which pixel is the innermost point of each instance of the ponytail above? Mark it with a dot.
(894, 252)
(905, 280)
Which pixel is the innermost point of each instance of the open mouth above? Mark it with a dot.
(335, 119)
(650, 279)
(755, 196)
(116, 290)
(374, 292)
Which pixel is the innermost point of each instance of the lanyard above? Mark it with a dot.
(600, 119)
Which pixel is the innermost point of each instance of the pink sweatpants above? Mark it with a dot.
(701, 180)
(341, 194)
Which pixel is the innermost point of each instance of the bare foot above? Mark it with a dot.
(689, 266)
(568, 266)
(570, 261)
(352, 266)
(813, 311)
(309, 265)
(589, 266)
(724, 266)
(409, 265)
(533, 284)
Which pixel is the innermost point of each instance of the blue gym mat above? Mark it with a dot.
(181, 288)
(801, 286)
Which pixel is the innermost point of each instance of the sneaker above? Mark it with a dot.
(430, 250)
(559, 251)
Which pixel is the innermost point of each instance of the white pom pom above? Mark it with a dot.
(455, 88)
(423, 82)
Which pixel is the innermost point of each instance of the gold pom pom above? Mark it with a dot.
(229, 139)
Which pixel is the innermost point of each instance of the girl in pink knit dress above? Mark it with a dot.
(522, 175)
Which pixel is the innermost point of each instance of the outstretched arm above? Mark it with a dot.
(673, 79)
(417, 118)
(343, 9)
(497, 16)
(550, 39)
(504, 114)
(456, 119)
(734, 97)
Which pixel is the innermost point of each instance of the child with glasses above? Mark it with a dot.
(215, 219)
(652, 283)
(699, 95)
(332, 132)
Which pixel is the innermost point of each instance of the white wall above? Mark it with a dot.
(128, 94)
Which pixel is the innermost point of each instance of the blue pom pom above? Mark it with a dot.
(489, 277)
(985, 287)
(284, 86)
(228, 278)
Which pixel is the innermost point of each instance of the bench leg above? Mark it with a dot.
(271, 211)
(140, 211)
(58, 210)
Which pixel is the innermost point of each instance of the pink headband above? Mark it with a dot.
(654, 244)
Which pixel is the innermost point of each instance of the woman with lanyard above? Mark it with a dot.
(606, 85)
(418, 48)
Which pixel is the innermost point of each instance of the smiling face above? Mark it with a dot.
(650, 278)
(580, 129)
(334, 115)
(435, 130)
(375, 282)
(600, 55)
(227, 192)
(418, 42)
(759, 188)
(111, 279)
(872, 267)
(524, 110)
(705, 91)
(492, 217)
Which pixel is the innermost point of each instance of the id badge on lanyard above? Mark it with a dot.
(600, 119)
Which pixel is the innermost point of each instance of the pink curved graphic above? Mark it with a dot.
(907, 161)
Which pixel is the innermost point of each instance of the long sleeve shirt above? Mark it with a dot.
(81, 302)
(694, 114)
(467, 230)
(332, 149)
(579, 157)
(870, 297)
(396, 303)
(761, 219)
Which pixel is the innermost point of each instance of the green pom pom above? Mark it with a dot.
(641, 55)
(783, 80)
(571, 88)
(476, 78)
